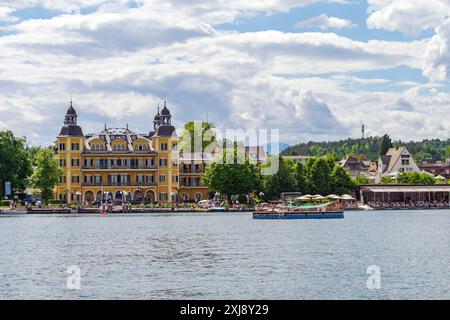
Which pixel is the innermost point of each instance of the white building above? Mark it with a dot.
(396, 160)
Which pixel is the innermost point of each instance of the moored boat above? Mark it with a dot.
(284, 211)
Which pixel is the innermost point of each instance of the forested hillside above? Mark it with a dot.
(369, 148)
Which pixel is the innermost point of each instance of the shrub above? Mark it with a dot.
(5, 203)
(242, 199)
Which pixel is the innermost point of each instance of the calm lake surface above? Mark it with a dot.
(225, 256)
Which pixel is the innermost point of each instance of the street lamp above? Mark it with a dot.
(78, 198)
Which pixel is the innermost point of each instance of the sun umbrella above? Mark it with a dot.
(303, 198)
(347, 197)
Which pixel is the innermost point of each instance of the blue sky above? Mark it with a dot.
(314, 69)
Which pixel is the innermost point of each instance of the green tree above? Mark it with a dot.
(196, 136)
(447, 153)
(415, 178)
(342, 182)
(361, 180)
(231, 173)
(32, 153)
(283, 181)
(15, 164)
(320, 179)
(46, 173)
(386, 144)
(300, 178)
(386, 180)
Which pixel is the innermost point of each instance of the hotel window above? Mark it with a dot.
(75, 162)
(62, 162)
(150, 179)
(175, 179)
(140, 179)
(175, 146)
(163, 196)
(164, 147)
(98, 179)
(75, 146)
(75, 179)
(119, 147)
(87, 179)
(62, 179)
(98, 147)
(163, 162)
(162, 178)
(196, 182)
(62, 147)
(140, 147)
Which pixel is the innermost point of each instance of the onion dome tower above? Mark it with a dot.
(71, 128)
(165, 127)
(165, 115)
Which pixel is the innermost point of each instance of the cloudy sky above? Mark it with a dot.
(315, 69)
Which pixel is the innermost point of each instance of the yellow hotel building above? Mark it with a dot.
(119, 164)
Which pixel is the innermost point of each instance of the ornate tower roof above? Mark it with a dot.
(71, 128)
(165, 111)
(165, 115)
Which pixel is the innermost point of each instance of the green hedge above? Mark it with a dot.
(54, 201)
(5, 203)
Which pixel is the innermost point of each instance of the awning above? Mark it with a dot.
(403, 189)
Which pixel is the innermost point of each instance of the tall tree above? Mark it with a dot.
(196, 136)
(342, 182)
(32, 153)
(300, 178)
(15, 164)
(231, 173)
(386, 144)
(46, 173)
(282, 181)
(320, 177)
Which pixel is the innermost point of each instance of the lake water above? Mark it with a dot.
(225, 256)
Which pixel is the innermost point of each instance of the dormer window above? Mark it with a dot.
(119, 147)
(140, 147)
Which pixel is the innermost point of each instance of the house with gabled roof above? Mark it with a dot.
(395, 161)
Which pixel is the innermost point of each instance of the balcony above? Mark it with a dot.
(190, 171)
(118, 184)
(193, 186)
(105, 167)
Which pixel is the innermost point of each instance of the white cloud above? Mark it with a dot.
(117, 61)
(407, 16)
(401, 105)
(5, 15)
(436, 64)
(325, 22)
(411, 17)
